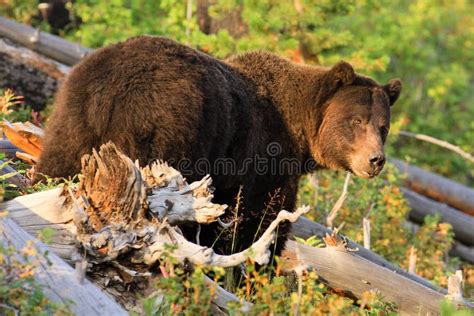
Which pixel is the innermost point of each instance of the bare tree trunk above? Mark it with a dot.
(230, 21)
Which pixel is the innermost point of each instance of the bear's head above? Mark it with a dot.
(354, 123)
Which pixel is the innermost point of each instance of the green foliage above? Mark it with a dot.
(20, 10)
(187, 293)
(448, 309)
(6, 190)
(312, 241)
(12, 107)
(184, 294)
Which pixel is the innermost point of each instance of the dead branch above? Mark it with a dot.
(412, 260)
(440, 143)
(455, 282)
(332, 215)
(366, 231)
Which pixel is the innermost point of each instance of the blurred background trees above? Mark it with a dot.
(429, 44)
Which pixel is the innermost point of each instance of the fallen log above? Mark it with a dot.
(458, 249)
(345, 270)
(34, 60)
(462, 251)
(463, 224)
(347, 266)
(46, 44)
(13, 176)
(437, 187)
(59, 281)
(8, 148)
(305, 228)
(28, 74)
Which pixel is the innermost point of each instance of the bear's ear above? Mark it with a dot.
(393, 89)
(341, 73)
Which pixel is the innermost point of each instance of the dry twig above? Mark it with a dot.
(440, 143)
(332, 215)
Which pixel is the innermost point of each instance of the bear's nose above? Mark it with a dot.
(377, 160)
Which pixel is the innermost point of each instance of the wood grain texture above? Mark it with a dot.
(354, 274)
(305, 228)
(59, 281)
(27, 57)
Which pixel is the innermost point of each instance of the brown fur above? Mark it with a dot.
(156, 98)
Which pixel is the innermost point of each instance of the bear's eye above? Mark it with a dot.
(357, 121)
(384, 130)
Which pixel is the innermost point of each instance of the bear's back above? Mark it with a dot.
(153, 97)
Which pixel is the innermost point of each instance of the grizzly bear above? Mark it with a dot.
(255, 122)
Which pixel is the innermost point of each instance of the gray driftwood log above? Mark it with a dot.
(437, 187)
(58, 279)
(46, 44)
(305, 228)
(463, 224)
(350, 267)
(344, 270)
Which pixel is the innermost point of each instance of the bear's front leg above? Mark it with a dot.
(258, 211)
